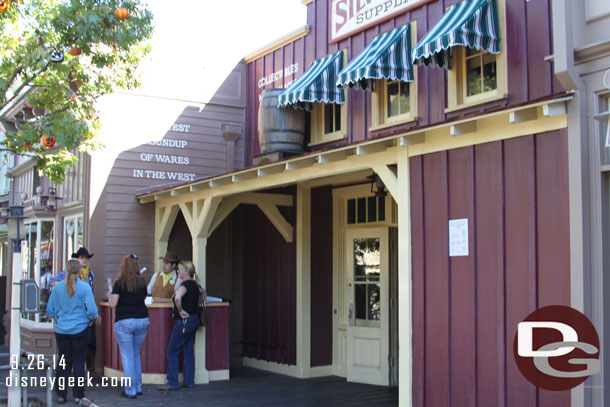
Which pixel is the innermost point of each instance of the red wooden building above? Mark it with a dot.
(428, 215)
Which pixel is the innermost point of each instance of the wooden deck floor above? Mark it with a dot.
(247, 387)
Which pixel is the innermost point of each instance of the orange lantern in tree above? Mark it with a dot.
(75, 51)
(47, 140)
(121, 13)
(4, 5)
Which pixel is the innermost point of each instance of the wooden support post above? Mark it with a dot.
(303, 281)
(405, 329)
(199, 260)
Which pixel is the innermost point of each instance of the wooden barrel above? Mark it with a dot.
(279, 129)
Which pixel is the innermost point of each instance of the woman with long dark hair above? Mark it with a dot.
(130, 321)
(73, 307)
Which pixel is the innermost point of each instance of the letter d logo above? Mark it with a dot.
(525, 335)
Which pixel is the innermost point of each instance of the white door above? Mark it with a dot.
(367, 306)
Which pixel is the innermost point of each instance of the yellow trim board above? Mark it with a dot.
(487, 130)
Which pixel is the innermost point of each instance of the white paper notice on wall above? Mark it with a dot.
(458, 237)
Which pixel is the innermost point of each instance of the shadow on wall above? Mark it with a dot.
(204, 140)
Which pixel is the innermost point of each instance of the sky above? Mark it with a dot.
(198, 42)
(195, 46)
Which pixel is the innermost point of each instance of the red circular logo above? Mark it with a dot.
(556, 348)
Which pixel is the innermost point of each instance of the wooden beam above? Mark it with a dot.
(226, 207)
(326, 158)
(373, 148)
(147, 199)
(207, 216)
(351, 164)
(304, 163)
(162, 195)
(187, 212)
(277, 220)
(389, 179)
(271, 170)
(166, 218)
(554, 109)
(412, 139)
(218, 182)
(245, 176)
(200, 186)
(524, 115)
(463, 128)
(255, 198)
(180, 191)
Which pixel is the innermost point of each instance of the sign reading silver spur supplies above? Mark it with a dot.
(350, 16)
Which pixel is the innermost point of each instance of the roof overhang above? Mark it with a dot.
(353, 158)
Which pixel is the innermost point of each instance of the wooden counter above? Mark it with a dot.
(154, 360)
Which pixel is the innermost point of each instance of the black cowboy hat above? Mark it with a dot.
(81, 252)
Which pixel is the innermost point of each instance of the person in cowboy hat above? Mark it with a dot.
(87, 276)
(164, 283)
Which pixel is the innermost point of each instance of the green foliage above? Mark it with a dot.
(39, 96)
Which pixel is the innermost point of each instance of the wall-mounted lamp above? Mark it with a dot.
(49, 200)
(377, 185)
(15, 225)
(52, 200)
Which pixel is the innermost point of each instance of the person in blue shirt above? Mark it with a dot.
(73, 307)
(87, 275)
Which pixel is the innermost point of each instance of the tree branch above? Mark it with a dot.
(25, 83)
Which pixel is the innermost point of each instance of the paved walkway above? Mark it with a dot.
(247, 387)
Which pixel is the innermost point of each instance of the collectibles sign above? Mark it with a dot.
(350, 16)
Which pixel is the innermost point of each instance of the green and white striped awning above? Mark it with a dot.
(317, 84)
(387, 56)
(470, 23)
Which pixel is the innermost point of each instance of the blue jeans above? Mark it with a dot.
(130, 334)
(184, 343)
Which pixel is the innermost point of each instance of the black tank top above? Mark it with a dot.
(190, 300)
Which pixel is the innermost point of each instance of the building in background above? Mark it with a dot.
(581, 60)
(166, 140)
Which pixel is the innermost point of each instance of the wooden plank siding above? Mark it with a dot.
(529, 76)
(466, 309)
(269, 287)
(321, 277)
(128, 225)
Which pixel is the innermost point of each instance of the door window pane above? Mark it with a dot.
(351, 211)
(367, 295)
(361, 210)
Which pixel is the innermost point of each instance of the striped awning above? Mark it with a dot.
(387, 56)
(317, 84)
(470, 23)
